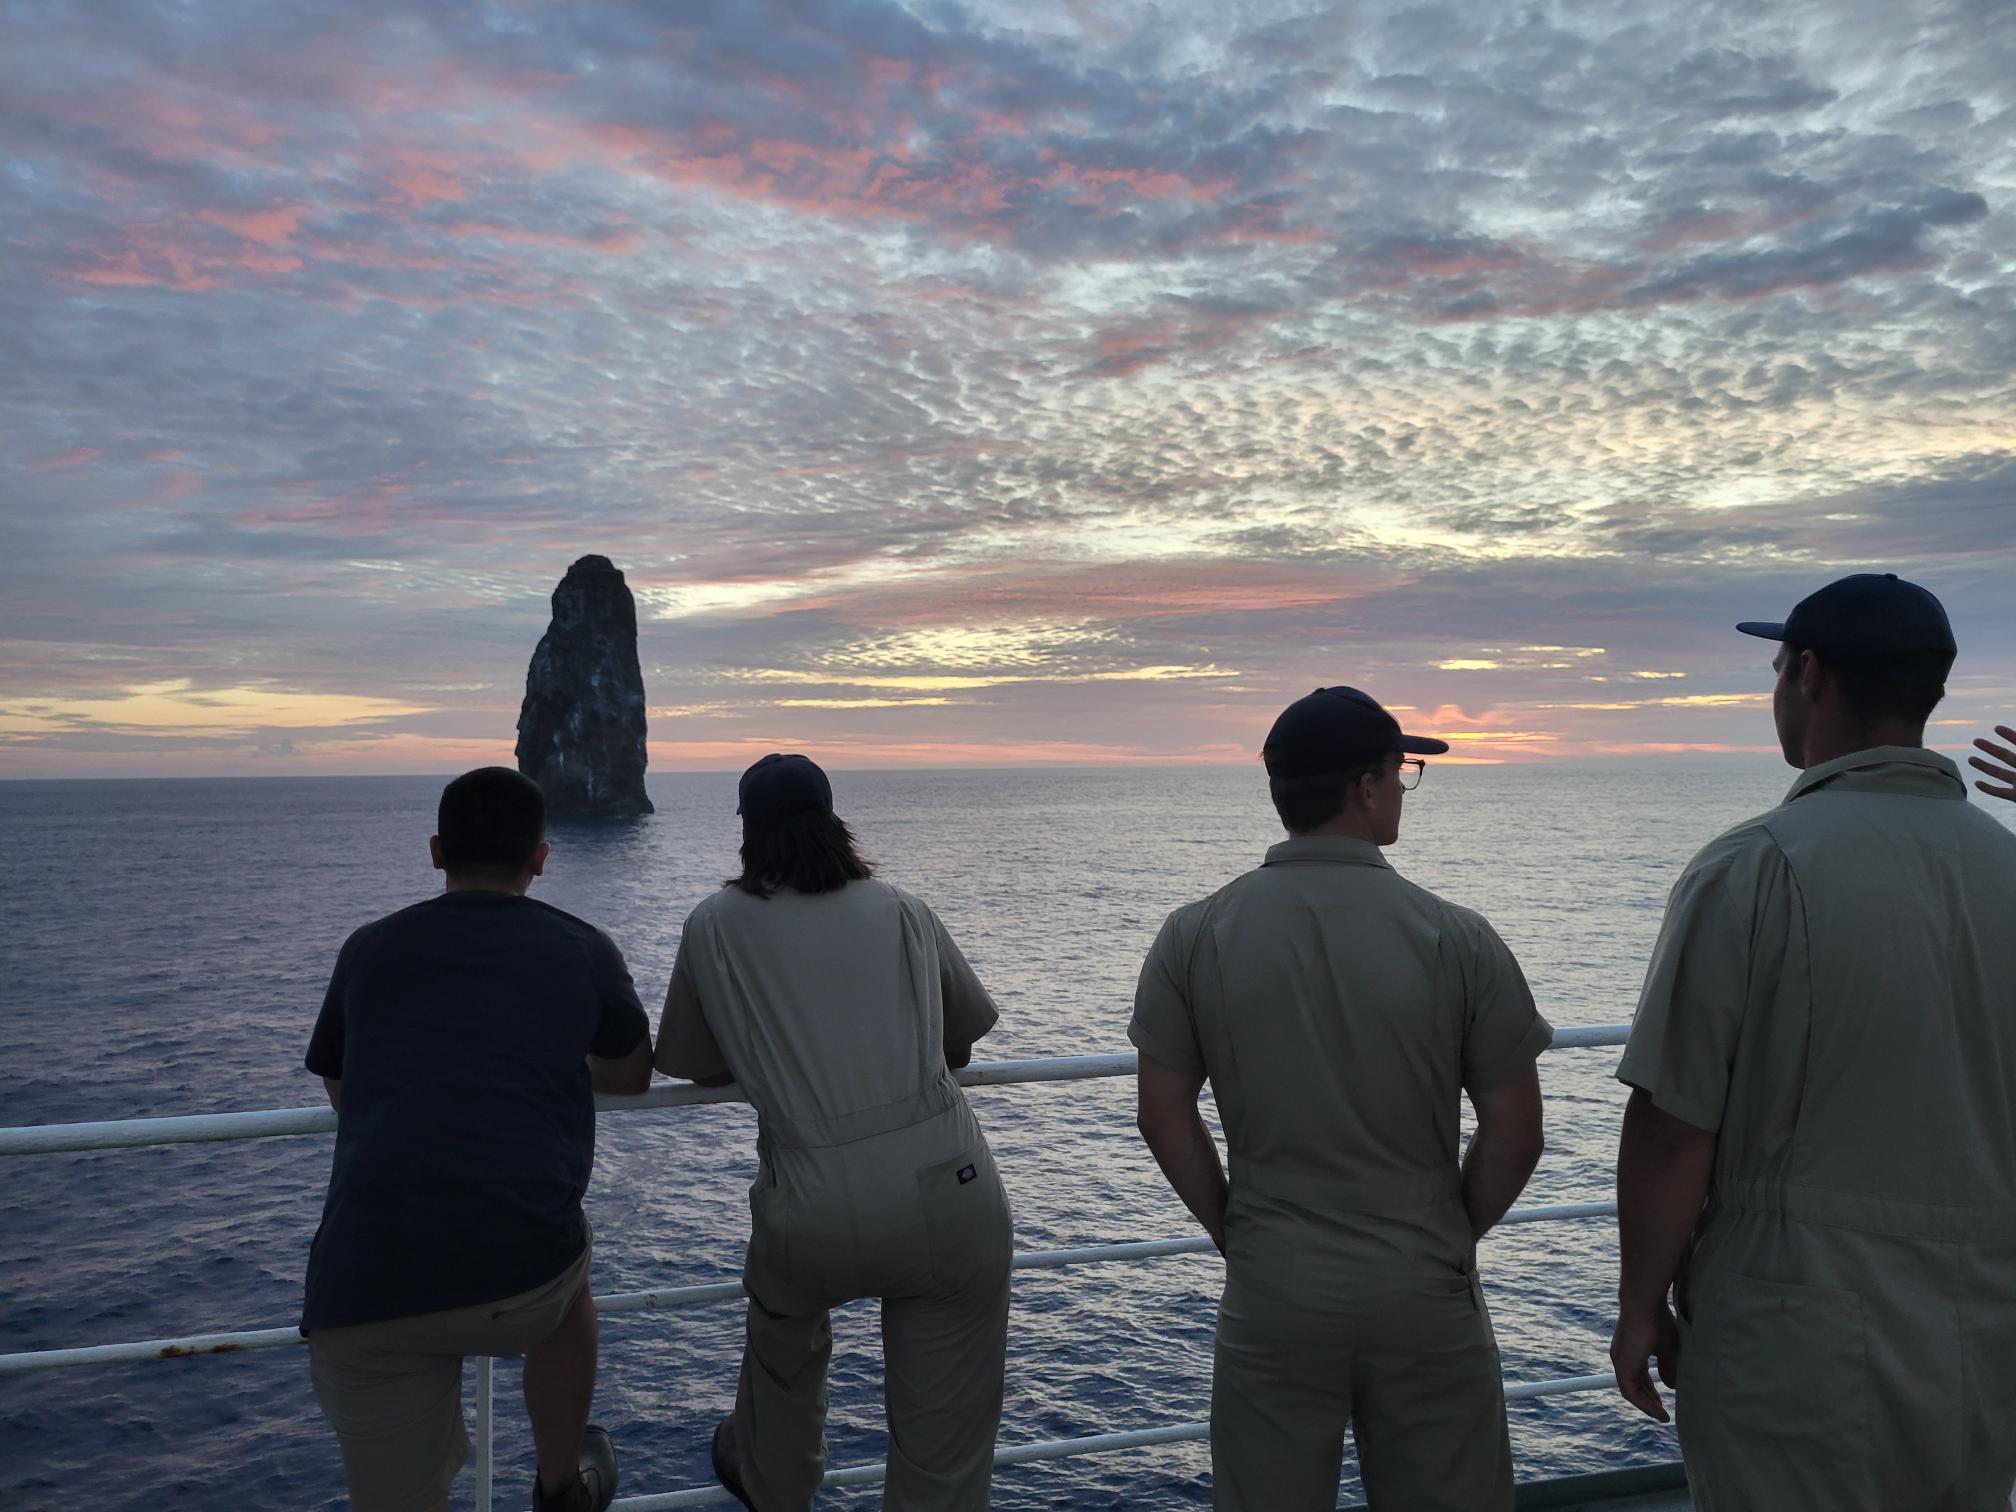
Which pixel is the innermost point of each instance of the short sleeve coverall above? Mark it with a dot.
(1833, 995)
(833, 1011)
(1340, 1012)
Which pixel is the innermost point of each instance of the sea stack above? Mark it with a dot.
(581, 729)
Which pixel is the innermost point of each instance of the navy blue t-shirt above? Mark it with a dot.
(458, 1028)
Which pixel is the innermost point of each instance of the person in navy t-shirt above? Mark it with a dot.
(462, 1041)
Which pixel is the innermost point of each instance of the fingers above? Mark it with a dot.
(2006, 776)
(1640, 1392)
(1630, 1360)
(1669, 1359)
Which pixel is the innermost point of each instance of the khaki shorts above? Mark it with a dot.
(393, 1390)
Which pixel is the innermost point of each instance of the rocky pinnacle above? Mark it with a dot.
(581, 729)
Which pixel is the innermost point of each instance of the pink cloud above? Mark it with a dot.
(980, 595)
(418, 180)
(168, 269)
(269, 227)
(617, 242)
(1729, 224)
(76, 456)
(1121, 351)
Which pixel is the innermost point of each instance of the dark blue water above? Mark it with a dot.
(163, 949)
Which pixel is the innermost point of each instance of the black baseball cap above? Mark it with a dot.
(1868, 617)
(1335, 729)
(779, 786)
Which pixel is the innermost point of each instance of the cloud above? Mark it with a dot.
(1009, 354)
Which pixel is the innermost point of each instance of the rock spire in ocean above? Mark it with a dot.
(581, 729)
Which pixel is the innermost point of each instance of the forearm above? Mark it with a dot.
(1495, 1171)
(625, 1076)
(609, 1076)
(1663, 1170)
(1188, 1156)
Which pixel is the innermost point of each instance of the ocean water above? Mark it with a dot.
(163, 949)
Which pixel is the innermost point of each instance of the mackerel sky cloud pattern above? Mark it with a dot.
(996, 383)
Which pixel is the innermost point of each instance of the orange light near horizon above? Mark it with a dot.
(179, 707)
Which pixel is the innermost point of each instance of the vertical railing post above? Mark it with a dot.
(483, 1372)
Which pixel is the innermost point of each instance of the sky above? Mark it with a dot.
(988, 384)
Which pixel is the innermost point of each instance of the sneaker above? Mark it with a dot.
(594, 1484)
(728, 1461)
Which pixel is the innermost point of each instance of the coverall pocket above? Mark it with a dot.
(769, 1238)
(965, 1221)
(1773, 1403)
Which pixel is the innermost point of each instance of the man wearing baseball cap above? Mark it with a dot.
(1819, 1152)
(1340, 1014)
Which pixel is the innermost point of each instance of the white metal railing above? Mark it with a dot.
(48, 1139)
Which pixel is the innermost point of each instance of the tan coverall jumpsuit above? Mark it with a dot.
(833, 1011)
(1340, 1012)
(1834, 995)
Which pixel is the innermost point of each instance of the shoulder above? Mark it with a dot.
(566, 930)
(714, 904)
(1463, 922)
(901, 897)
(1455, 926)
(556, 919)
(1976, 827)
(719, 908)
(1186, 925)
(387, 930)
(1744, 847)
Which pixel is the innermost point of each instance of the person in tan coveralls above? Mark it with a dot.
(841, 1006)
(1340, 1014)
(1820, 1147)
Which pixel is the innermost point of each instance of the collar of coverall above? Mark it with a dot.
(1910, 771)
(1333, 848)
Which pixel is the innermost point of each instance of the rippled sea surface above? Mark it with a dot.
(163, 949)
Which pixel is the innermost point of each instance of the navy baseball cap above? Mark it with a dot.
(1335, 729)
(779, 786)
(1868, 617)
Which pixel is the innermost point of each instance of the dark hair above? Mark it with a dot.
(1307, 803)
(1905, 686)
(490, 822)
(810, 851)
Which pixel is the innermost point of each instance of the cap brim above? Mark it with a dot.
(1763, 630)
(1423, 745)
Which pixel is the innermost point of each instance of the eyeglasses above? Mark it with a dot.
(1411, 768)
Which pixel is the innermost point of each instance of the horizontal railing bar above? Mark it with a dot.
(1098, 1443)
(269, 1123)
(150, 1349)
(1550, 1212)
(661, 1298)
(1589, 1037)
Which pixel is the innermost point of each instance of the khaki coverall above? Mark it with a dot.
(833, 1011)
(1834, 995)
(1340, 1012)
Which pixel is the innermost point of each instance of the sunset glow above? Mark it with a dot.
(1009, 383)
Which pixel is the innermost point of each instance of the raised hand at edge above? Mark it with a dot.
(2005, 773)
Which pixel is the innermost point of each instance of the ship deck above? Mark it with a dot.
(1646, 1488)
